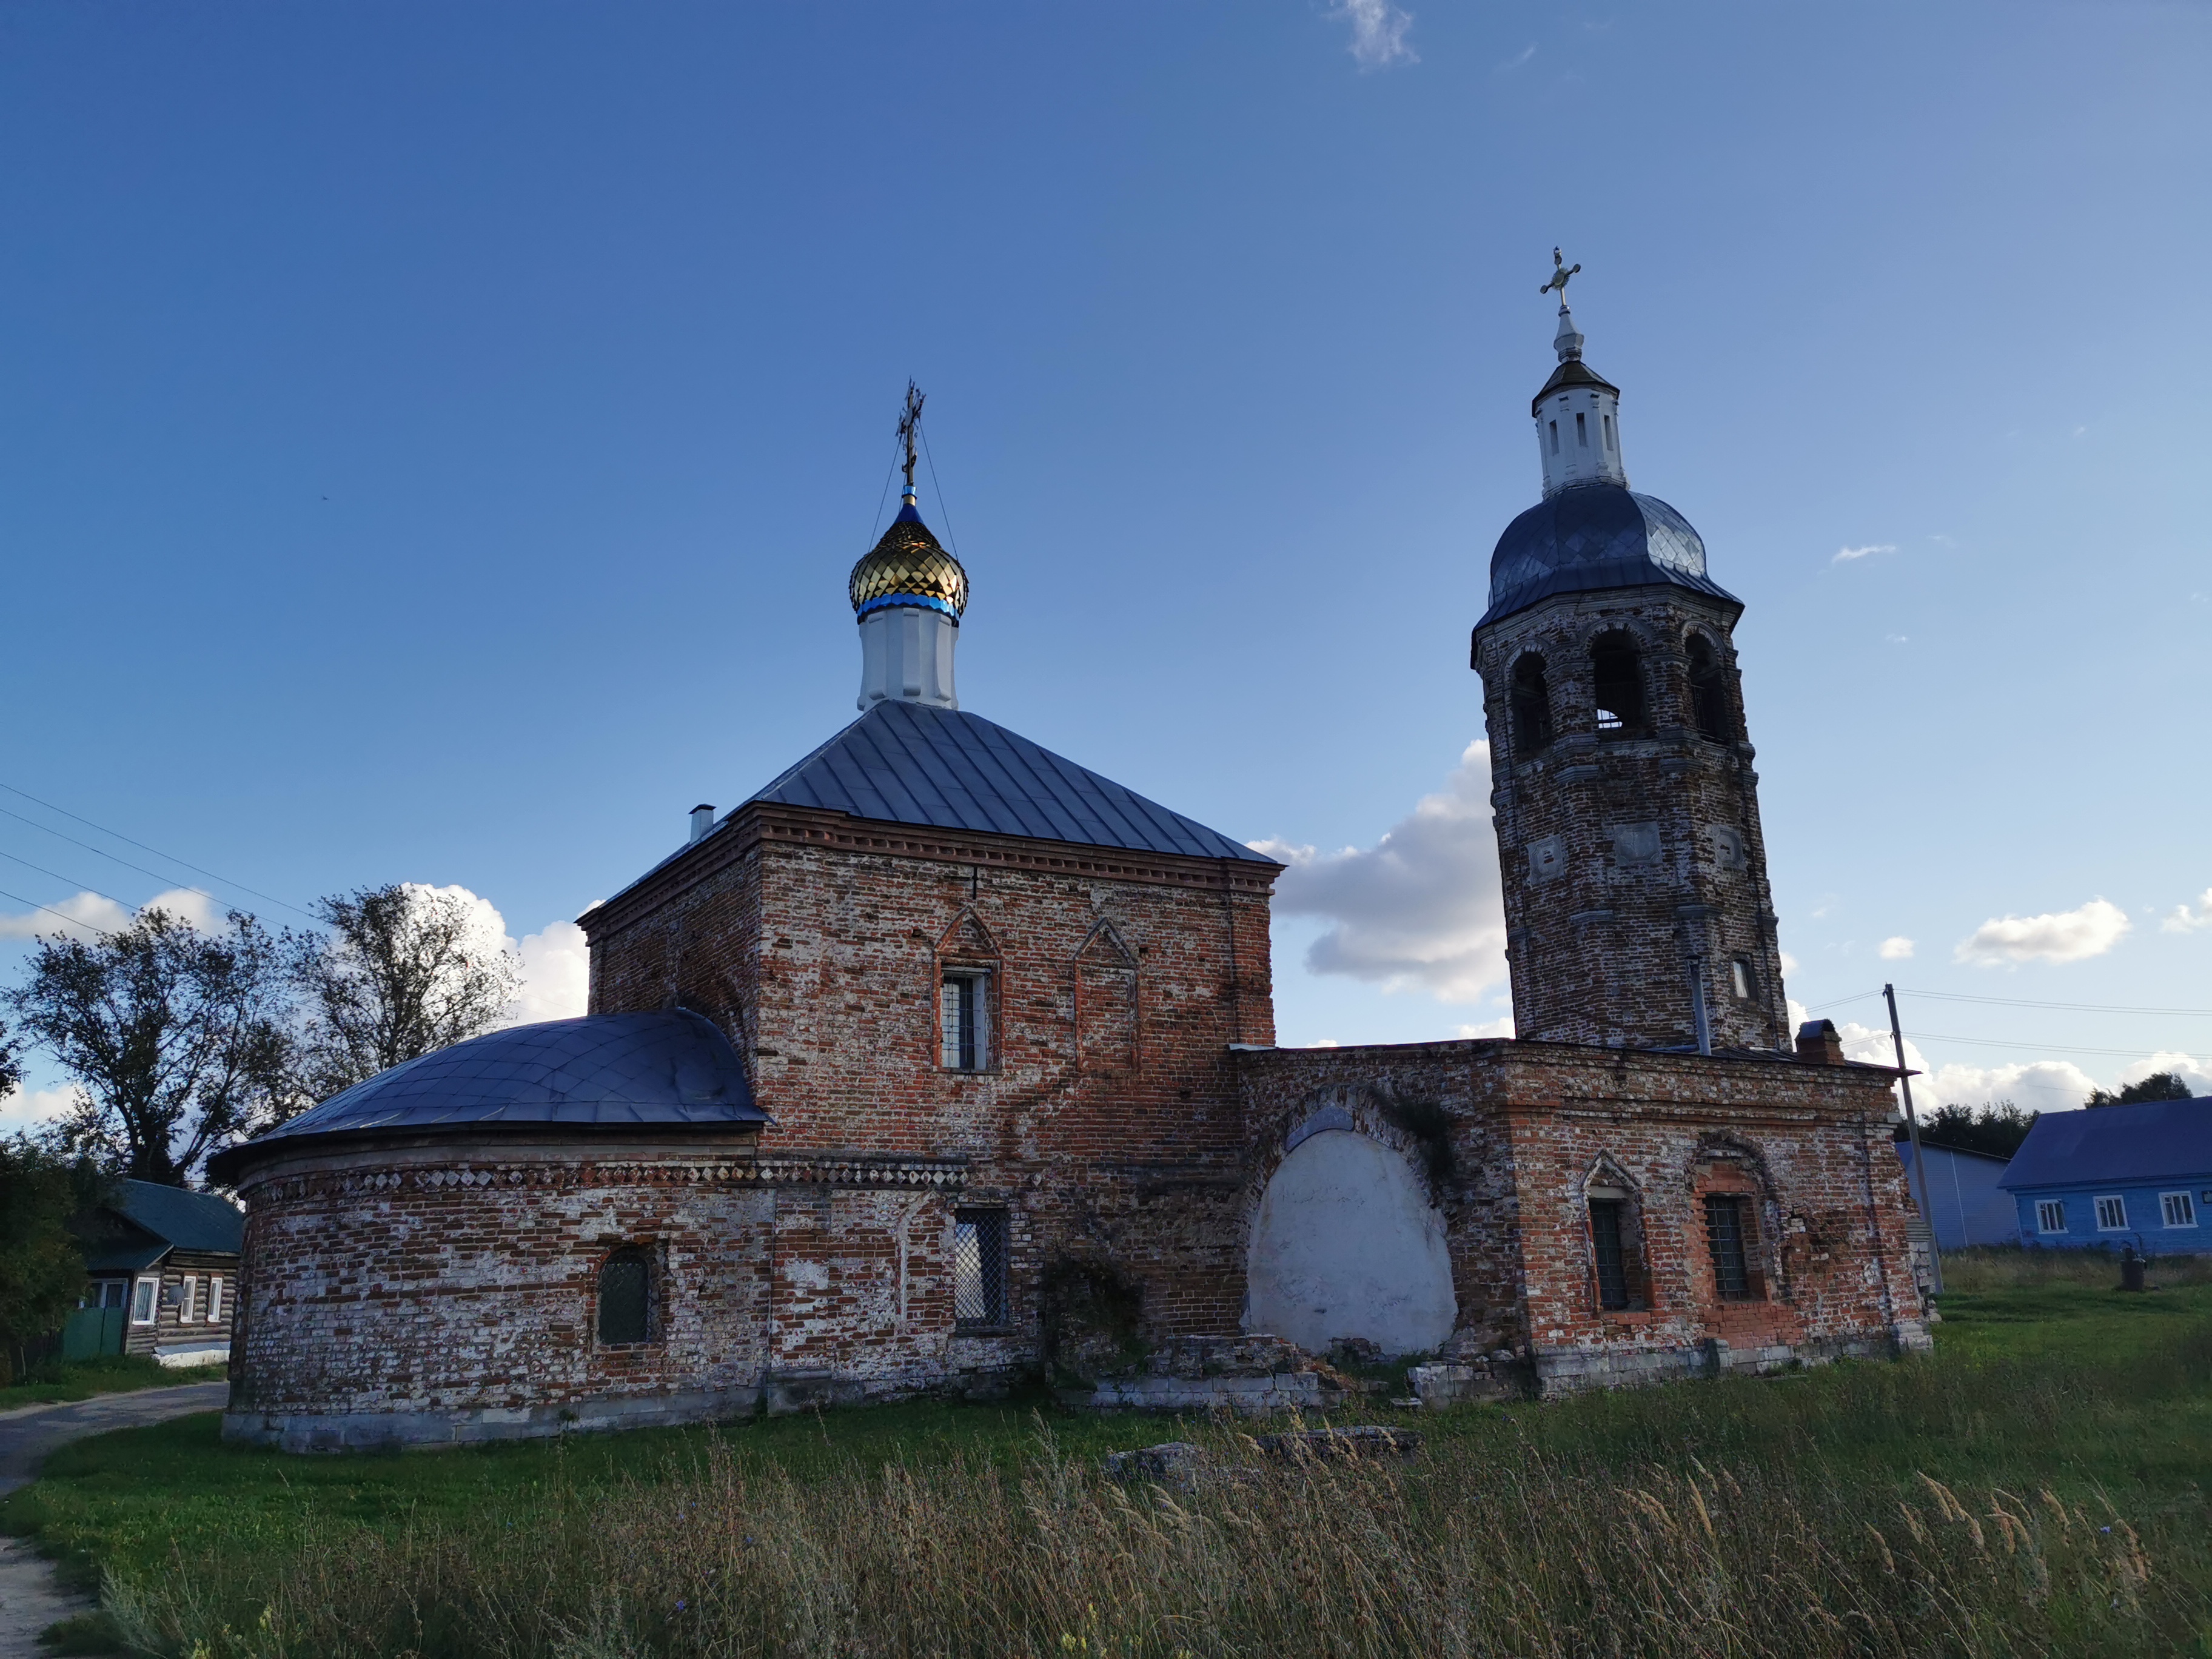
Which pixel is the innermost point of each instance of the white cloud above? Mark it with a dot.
(1789, 963)
(1420, 909)
(1896, 948)
(88, 915)
(1845, 554)
(1378, 32)
(555, 963)
(1502, 1027)
(29, 1110)
(2040, 1085)
(2185, 921)
(1519, 57)
(556, 974)
(2060, 936)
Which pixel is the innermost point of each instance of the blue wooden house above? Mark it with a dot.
(2112, 1176)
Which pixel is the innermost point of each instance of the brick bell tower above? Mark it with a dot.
(1637, 906)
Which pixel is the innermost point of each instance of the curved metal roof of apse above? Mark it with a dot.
(672, 1069)
(1591, 536)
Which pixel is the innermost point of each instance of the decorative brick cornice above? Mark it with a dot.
(765, 825)
(466, 1174)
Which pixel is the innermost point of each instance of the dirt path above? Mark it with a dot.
(29, 1599)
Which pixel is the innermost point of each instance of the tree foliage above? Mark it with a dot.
(1998, 1128)
(403, 970)
(41, 1267)
(11, 1064)
(176, 1038)
(2159, 1085)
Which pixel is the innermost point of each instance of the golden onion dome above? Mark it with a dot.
(909, 567)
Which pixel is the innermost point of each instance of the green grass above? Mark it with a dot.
(2051, 1395)
(81, 1379)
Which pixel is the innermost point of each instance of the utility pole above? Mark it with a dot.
(1912, 1128)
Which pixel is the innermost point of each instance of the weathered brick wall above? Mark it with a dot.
(1531, 1125)
(1599, 924)
(1107, 1121)
(457, 1285)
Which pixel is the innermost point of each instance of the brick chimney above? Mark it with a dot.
(1817, 1042)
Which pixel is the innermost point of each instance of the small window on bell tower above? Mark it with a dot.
(1582, 431)
(1531, 707)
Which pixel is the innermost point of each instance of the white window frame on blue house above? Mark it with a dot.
(2177, 1209)
(2050, 1215)
(2115, 1219)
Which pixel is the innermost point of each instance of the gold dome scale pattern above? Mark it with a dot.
(909, 567)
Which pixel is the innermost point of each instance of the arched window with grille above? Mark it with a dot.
(629, 1298)
(1531, 706)
(1617, 680)
(1710, 704)
(1618, 1273)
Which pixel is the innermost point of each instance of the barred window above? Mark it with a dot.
(1605, 1246)
(2178, 1209)
(979, 1267)
(962, 1012)
(2112, 1214)
(1729, 1239)
(626, 1297)
(2050, 1215)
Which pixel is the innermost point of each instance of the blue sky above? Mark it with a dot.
(433, 440)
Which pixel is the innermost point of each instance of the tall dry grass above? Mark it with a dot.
(1453, 1554)
(2011, 1267)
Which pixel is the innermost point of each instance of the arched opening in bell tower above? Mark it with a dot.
(1531, 706)
(1708, 695)
(1617, 678)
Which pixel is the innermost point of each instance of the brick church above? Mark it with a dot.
(943, 1062)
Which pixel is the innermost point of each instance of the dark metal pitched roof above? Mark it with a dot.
(155, 1219)
(603, 1070)
(2157, 1140)
(1594, 535)
(906, 763)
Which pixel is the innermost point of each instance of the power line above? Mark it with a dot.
(82, 886)
(2074, 1007)
(1838, 1002)
(95, 851)
(2054, 1047)
(155, 851)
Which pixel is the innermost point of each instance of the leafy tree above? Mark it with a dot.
(177, 1038)
(11, 1069)
(404, 970)
(2159, 1085)
(1998, 1128)
(41, 1268)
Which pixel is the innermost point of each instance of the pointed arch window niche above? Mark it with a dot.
(1106, 1003)
(967, 987)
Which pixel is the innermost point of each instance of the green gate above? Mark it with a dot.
(92, 1332)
